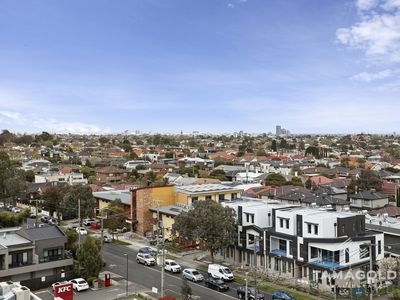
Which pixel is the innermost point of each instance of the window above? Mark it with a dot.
(379, 247)
(316, 229)
(283, 266)
(289, 267)
(347, 254)
(247, 218)
(314, 252)
(364, 251)
(290, 248)
(194, 199)
(208, 197)
(281, 222)
(309, 228)
(276, 266)
(234, 196)
(221, 198)
(287, 223)
(252, 219)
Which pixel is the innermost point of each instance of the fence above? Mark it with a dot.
(45, 281)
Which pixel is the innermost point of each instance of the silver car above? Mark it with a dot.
(192, 275)
(145, 259)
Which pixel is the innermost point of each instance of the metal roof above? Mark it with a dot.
(123, 195)
(204, 188)
(44, 233)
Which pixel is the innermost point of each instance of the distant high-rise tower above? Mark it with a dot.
(278, 130)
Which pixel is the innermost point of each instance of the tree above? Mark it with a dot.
(369, 180)
(104, 140)
(274, 146)
(89, 258)
(30, 176)
(9, 219)
(84, 194)
(296, 181)
(186, 290)
(54, 199)
(218, 174)
(72, 237)
(275, 179)
(115, 214)
(151, 177)
(207, 223)
(314, 151)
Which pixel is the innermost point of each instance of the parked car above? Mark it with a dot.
(88, 222)
(146, 259)
(192, 275)
(81, 230)
(219, 271)
(216, 284)
(107, 238)
(95, 225)
(32, 216)
(282, 296)
(53, 221)
(172, 266)
(44, 219)
(148, 250)
(58, 283)
(251, 293)
(16, 210)
(79, 284)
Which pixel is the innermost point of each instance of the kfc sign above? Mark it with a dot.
(64, 291)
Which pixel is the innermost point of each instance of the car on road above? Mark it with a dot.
(16, 210)
(32, 216)
(53, 221)
(148, 250)
(81, 230)
(58, 283)
(192, 275)
(279, 295)
(146, 259)
(88, 222)
(251, 293)
(44, 219)
(107, 238)
(79, 284)
(171, 266)
(216, 284)
(220, 271)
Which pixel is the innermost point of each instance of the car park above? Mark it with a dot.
(279, 295)
(192, 275)
(146, 259)
(216, 284)
(148, 250)
(81, 230)
(252, 293)
(79, 284)
(171, 266)
(221, 272)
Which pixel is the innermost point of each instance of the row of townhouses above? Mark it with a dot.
(309, 244)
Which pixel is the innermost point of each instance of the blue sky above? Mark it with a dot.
(208, 65)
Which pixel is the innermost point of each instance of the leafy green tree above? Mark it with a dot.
(115, 214)
(54, 200)
(274, 146)
(89, 258)
(275, 179)
(369, 180)
(296, 181)
(208, 223)
(314, 151)
(9, 219)
(30, 176)
(72, 237)
(218, 174)
(84, 194)
(104, 140)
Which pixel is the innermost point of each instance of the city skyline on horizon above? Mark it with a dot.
(212, 66)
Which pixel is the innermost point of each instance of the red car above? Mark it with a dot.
(95, 225)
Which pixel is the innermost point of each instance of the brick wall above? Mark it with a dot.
(144, 216)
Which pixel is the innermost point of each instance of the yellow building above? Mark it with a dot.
(189, 194)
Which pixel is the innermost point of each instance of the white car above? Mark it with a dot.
(146, 259)
(16, 210)
(172, 266)
(192, 275)
(79, 284)
(81, 230)
(107, 238)
(58, 283)
(88, 222)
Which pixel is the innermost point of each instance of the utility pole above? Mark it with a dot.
(245, 293)
(160, 233)
(371, 296)
(163, 262)
(79, 220)
(256, 239)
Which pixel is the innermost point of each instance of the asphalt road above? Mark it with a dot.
(151, 276)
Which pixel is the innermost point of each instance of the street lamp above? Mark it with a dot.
(127, 276)
(245, 293)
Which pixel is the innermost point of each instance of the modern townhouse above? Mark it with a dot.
(311, 244)
(32, 253)
(69, 178)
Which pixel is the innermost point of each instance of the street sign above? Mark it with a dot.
(154, 290)
(64, 291)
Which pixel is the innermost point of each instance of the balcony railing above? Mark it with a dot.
(332, 265)
(279, 252)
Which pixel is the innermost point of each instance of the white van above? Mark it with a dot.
(219, 271)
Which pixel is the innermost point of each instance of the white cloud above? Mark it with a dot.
(10, 117)
(391, 4)
(369, 76)
(366, 4)
(377, 34)
(230, 5)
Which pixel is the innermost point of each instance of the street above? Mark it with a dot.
(151, 276)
